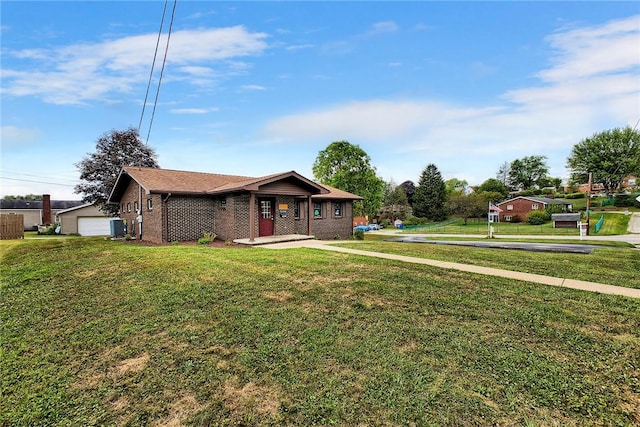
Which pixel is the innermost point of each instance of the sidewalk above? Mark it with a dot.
(527, 277)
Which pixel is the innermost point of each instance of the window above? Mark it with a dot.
(632, 182)
(534, 206)
(135, 206)
(296, 209)
(128, 206)
(122, 208)
(149, 204)
(507, 218)
(509, 207)
(337, 211)
(223, 203)
(317, 210)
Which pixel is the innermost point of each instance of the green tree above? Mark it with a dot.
(409, 189)
(393, 195)
(456, 186)
(610, 156)
(463, 206)
(348, 167)
(27, 197)
(525, 173)
(430, 196)
(495, 186)
(99, 171)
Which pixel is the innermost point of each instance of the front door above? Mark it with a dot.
(265, 221)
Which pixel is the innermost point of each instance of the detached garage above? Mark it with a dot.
(85, 220)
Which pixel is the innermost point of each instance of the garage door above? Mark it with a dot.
(94, 226)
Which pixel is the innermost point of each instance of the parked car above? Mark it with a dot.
(362, 227)
(375, 227)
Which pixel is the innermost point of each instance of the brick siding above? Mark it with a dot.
(189, 217)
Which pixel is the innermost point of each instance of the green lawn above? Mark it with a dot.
(615, 223)
(96, 332)
(614, 266)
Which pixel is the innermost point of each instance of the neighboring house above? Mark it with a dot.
(36, 212)
(629, 183)
(85, 220)
(161, 205)
(522, 205)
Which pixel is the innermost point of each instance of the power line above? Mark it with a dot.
(38, 182)
(153, 64)
(164, 61)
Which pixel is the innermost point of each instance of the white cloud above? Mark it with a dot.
(253, 87)
(192, 110)
(383, 28)
(15, 136)
(591, 85)
(85, 72)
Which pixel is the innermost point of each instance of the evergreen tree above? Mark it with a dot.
(429, 200)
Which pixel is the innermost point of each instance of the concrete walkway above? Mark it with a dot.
(527, 277)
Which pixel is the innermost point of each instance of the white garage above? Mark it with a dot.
(93, 226)
(85, 220)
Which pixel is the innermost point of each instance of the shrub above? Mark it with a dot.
(538, 217)
(358, 234)
(516, 219)
(576, 196)
(207, 237)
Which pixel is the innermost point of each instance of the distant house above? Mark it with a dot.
(521, 206)
(86, 220)
(161, 205)
(37, 212)
(629, 183)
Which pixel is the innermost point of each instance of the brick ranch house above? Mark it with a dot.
(162, 205)
(522, 205)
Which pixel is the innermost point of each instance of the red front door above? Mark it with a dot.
(265, 221)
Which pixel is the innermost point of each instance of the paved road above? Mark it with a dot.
(535, 247)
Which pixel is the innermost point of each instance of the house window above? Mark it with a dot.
(128, 206)
(149, 204)
(223, 203)
(317, 210)
(509, 207)
(135, 206)
(632, 182)
(122, 208)
(534, 206)
(296, 209)
(337, 211)
(507, 218)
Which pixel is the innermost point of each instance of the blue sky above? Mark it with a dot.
(254, 88)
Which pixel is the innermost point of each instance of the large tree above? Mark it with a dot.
(493, 185)
(526, 173)
(393, 194)
(409, 189)
(348, 167)
(99, 171)
(609, 156)
(430, 196)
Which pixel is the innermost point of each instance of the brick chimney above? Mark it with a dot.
(46, 209)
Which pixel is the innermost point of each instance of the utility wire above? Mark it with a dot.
(153, 64)
(164, 61)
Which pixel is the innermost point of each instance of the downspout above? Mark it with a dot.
(139, 212)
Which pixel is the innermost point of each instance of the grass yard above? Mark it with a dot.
(614, 224)
(614, 266)
(96, 332)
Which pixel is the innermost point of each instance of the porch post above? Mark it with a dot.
(309, 215)
(252, 217)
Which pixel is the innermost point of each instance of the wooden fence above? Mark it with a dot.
(11, 226)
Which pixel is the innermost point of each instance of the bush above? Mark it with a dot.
(358, 234)
(625, 200)
(207, 237)
(538, 217)
(575, 196)
(516, 219)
